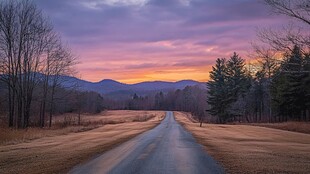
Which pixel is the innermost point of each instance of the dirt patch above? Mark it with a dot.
(59, 153)
(252, 149)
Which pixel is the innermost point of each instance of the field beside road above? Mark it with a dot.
(57, 150)
(302, 127)
(252, 149)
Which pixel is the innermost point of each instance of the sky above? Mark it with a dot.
(146, 40)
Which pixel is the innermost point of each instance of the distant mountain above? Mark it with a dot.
(161, 85)
(114, 88)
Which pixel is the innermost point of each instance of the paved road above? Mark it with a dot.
(167, 148)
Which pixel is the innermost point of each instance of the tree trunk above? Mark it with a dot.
(52, 106)
(51, 115)
(43, 103)
(11, 107)
(79, 120)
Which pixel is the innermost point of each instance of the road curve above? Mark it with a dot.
(168, 148)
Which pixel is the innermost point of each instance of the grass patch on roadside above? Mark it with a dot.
(302, 127)
(252, 149)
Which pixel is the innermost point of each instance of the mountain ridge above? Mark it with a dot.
(152, 81)
(110, 86)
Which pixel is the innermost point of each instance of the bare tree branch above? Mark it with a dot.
(298, 9)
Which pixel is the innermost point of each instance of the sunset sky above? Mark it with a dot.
(146, 40)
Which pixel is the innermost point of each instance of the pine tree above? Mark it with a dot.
(229, 83)
(239, 83)
(290, 87)
(258, 91)
(306, 86)
(218, 91)
(238, 79)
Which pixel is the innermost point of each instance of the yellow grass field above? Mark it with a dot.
(303, 127)
(58, 152)
(252, 149)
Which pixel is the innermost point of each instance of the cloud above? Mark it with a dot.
(111, 36)
(97, 4)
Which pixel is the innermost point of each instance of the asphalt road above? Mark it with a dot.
(168, 148)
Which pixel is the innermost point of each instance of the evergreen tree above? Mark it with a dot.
(290, 88)
(239, 81)
(278, 87)
(238, 85)
(218, 91)
(260, 90)
(229, 83)
(306, 86)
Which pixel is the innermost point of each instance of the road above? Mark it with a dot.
(168, 148)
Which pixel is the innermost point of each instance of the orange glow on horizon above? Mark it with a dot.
(171, 74)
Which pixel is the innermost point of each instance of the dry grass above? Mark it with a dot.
(68, 123)
(120, 116)
(303, 127)
(12, 136)
(59, 153)
(252, 149)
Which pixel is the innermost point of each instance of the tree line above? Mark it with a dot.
(274, 89)
(191, 99)
(267, 96)
(32, 61)
(65, 100)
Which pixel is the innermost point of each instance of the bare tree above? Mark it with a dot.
(298, 9)
(284, 39)
(46, 67)
(288, 37)
(21, 29)
(28, 47)
(58, 63)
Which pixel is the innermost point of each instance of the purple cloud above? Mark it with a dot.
(156, 33)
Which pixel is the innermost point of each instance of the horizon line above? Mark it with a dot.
(137, 82)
